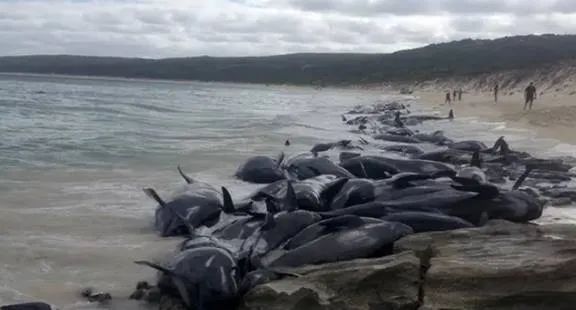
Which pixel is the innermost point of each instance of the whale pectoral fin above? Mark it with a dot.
(228, 204)
(150, 192)
(363, 170)
(185, 294)
(155, 266)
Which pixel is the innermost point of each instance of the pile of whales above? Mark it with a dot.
(312, 209)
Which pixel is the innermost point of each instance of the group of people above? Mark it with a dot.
(529, 95)
(453, 96)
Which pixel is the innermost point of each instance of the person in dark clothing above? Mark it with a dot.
(454, 95)
(530, 96)
(496, 87)
(460, 95)
(448, 98)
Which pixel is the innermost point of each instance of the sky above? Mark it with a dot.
(178, 28)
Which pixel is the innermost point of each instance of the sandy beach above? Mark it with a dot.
(553, 113)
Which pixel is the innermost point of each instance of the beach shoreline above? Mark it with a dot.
(552, 115)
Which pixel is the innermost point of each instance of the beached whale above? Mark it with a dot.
(314, 194)
(436, 137)
(469, 145)
(396, 138)
(354, 192)
(408, 149)
(516, 206)
(305, 168)
(370, 167)
(344, 241)
(321, 228)
(378, 167)
(193, 205)
(427, 221)
(202, 277)
(282, 227)
(27, 306)
(261, 170)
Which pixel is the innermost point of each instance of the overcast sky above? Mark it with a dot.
(169, 28)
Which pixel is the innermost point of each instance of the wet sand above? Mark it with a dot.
(553, 114)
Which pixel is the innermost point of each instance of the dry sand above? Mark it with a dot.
(553, 114)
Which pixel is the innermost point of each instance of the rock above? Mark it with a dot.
(499, 266)
(386, 283)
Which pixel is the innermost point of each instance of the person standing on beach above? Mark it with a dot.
(448, 100)
(454, 95)
(460, 95)
(496, 87)
(530, 96)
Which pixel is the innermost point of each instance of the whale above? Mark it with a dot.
(403, 149)
(260, 170)
(27, 306)
(193, 205)
(305, 168)
(396, 138)
(427, 222)
(202, 277)
(346, 241)
(354, 192)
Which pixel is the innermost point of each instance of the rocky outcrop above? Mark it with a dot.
(388, 283)
(500, 266)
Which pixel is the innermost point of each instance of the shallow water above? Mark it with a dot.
(76, 152)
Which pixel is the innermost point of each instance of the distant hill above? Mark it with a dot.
(466, 57)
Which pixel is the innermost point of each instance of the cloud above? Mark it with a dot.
(174, 28)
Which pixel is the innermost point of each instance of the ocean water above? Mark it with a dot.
(76, 152)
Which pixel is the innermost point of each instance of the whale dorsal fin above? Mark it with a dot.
(150, 192)
(228, 204)
(290, 200)
(333, 189)
(269, 222)
(186, 178)
(280, 159)
(476, 160)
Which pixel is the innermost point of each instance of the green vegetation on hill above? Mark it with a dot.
(466, 57)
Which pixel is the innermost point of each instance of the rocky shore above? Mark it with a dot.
(502, 265)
